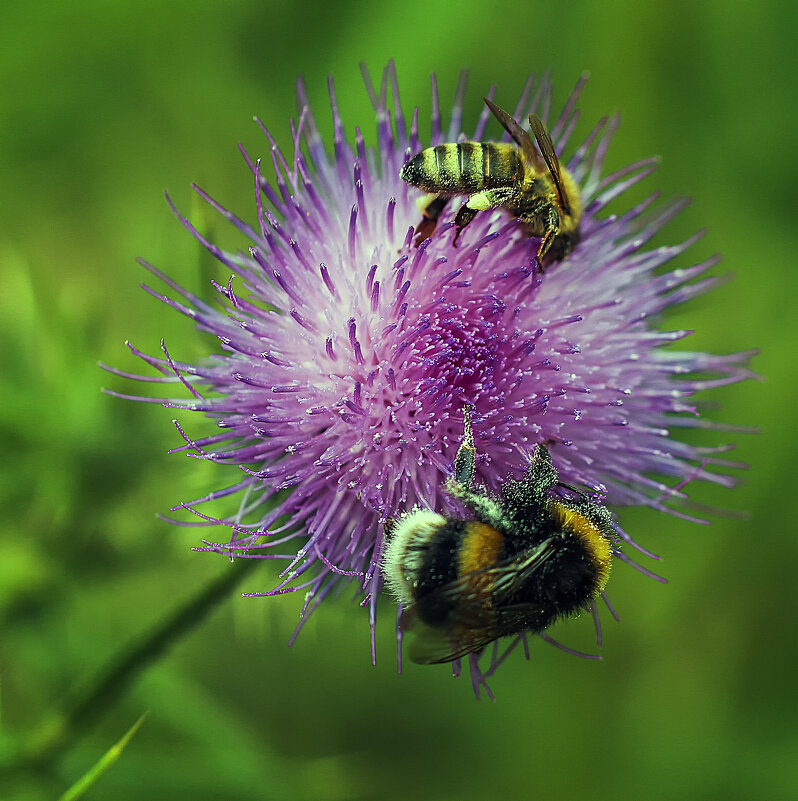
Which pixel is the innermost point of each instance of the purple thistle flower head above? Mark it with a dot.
(349, 353)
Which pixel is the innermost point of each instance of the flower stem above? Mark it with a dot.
(47, 744)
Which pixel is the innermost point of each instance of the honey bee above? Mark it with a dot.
(526, 180)
(518, 562)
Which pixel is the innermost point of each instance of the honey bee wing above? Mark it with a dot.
(543, 138)
(519, 135)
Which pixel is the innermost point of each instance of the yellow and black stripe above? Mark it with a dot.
(591, 537)
(464, 168)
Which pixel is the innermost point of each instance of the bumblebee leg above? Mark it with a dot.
(541, 475)
(583, 498)
(465, 461)
(430, 214)
(485, 508)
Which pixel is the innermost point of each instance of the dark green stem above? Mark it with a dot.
(44, 748)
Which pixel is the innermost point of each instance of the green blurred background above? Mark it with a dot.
(103, 105)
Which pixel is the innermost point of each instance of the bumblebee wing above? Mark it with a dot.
(519, 571)
(543, 138)
(520, 136)
(433, 646)
(481, 613)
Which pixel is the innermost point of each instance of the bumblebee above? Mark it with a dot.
(526, 180)
(518, 562)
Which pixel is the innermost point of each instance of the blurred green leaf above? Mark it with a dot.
(81, 786)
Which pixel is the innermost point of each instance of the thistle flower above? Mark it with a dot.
(348, 353)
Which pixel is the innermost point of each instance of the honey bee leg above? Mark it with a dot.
(464, 216)
(465, 461)
(561, 248)
(430, 214)
(552, 228)
(481, 201)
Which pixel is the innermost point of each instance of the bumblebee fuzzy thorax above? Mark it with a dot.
(593, 536)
